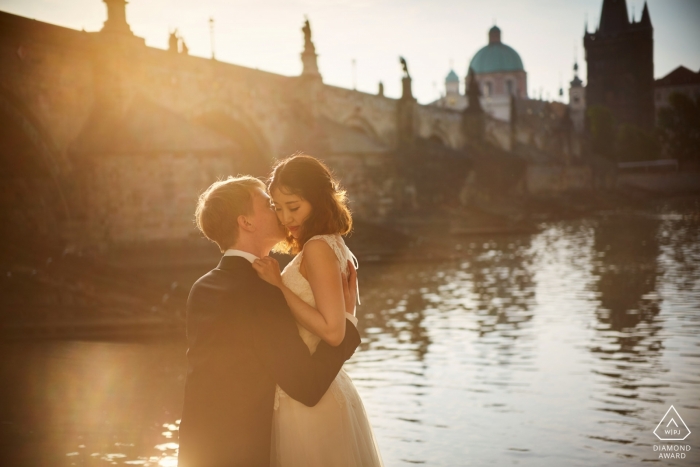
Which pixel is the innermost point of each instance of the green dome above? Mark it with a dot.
(496, 56)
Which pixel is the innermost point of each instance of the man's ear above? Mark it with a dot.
(244, 224)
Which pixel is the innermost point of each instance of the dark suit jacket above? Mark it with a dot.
(243, 341)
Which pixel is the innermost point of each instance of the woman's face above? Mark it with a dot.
(292, 210)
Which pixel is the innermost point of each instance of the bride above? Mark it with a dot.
(312, 207)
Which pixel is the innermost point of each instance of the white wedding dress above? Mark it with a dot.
(336, 431)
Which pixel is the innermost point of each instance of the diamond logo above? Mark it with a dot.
(672, 427)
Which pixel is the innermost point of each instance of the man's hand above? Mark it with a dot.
(350, 288)
(269, 270)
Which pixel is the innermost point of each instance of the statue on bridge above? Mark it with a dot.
(173, 42)
(308, 56)
(307, 32)
(404, 65)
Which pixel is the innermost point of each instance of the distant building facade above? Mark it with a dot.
(681, 80)
(620, 58)
(500, 74)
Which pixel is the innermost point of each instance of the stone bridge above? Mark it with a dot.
(104, 140)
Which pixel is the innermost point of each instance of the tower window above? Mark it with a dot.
(509, 87)
(488, 88)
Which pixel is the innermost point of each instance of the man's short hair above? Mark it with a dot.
(220, 205)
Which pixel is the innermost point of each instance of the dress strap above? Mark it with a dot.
(357, 266)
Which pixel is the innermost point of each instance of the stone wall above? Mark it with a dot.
(440, 123)
(376, 115)
(147, 197)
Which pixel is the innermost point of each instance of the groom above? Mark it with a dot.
(243, 339)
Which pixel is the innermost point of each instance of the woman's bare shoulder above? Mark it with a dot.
(319, 249)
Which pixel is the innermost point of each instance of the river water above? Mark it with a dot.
(563, 347)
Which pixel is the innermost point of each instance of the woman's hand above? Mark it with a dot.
(269, 270)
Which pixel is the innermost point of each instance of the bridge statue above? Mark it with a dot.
(404, 65)
(307, 31)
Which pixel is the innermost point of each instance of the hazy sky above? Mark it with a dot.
(431, 34)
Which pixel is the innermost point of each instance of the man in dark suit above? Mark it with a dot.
(243, 339)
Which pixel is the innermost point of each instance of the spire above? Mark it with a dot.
(576, 82)
(613, 17)
(646, 19)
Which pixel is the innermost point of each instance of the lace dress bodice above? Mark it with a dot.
(297, 283)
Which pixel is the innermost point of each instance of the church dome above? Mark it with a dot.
(496, 56)
(452, 77)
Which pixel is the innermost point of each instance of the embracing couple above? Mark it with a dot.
(265, 384)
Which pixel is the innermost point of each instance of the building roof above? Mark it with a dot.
(613, 17)
(452, 77)
(496, 56)
(576, 82)
(679, 77)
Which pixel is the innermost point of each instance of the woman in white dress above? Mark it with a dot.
(312, 207)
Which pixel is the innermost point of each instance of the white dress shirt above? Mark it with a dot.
(243, 254)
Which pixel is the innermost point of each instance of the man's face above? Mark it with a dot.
(267, 228)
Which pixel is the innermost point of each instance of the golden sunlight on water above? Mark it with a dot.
(564, 347)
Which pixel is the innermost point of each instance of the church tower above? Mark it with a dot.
(452, 84)
(620, 58)
(577, 101)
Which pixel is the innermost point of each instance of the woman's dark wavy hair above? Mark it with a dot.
(311, 179)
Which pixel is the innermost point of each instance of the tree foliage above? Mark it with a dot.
(635, 144)
(679, 126)
(619, 143)
(601, 124)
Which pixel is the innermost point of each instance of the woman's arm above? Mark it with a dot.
(334, 293)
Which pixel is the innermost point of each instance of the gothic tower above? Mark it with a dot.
(620, 57)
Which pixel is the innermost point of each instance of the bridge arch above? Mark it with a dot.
(33, 202)
(439, 134)
(255, 155)
(359, 122)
